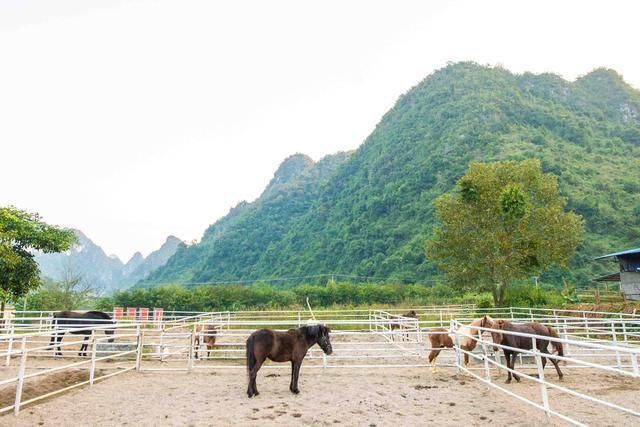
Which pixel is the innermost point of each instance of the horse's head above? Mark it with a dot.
(412, 313)
(320, 335)
(487, 321)
(497, 336)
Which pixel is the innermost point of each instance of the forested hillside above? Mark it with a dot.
(370, 212)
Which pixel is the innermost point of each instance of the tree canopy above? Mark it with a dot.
(21, 233)
(504, 221)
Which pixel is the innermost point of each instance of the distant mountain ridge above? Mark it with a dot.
(367, 214)
(106, 273)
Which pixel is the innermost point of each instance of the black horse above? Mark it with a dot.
(283, 347)
(72, 320)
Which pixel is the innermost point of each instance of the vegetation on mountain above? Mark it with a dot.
(505, 221)
(21, 233)
(332, 295)
(369, 213)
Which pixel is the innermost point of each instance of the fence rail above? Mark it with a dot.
(605, 342)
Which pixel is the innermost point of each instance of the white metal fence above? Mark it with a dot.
(604, 342)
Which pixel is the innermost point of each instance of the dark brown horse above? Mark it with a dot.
(290, 346)
(208, 333)
(73, 321)
(525, 343)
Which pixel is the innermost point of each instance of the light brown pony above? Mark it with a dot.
(440, 338)
(525, 343)
(208, 333)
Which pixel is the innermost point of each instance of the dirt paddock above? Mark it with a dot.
(362, 397)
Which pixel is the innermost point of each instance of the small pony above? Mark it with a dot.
(290, 346)
(442, 339)
(525, 343)
(411, 314)
(208, 333)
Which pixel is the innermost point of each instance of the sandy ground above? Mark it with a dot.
(353, 397)
(348, 397)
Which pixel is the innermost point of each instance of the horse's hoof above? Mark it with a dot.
(507, 382)
(518, 379)
(535, 375)
(296, 391)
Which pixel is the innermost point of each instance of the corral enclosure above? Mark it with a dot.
(601, 350)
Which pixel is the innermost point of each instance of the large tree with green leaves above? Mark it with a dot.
(22, 233)
(504, 222)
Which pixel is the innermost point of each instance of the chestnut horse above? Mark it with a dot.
(525, 343)
(290, 346)
(410, 314)
(442, 339)
(208, 333)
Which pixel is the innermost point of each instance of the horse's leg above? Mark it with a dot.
(507, 358)
(58, 341)
(433, 354)
(84, 346)
(513, 367)
(295, 374)
(554, 361)
(253, 388)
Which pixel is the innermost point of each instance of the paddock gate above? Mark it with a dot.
(595, 343)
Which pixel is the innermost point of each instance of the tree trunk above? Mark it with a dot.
(501, 290)
(3, 303)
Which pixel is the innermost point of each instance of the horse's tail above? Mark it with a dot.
(556, 345)
(251, 358)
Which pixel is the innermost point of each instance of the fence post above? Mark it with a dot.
(324, 360)
(634, 364)
(456, 345)
(543, 385)
(162, 343)
(624, 329)
(93, 356)
(586, 324)
(511, 311)
(23, 363)
(485, 358)
(192, 339)
(615, 342)
(10, 345)
(139, 347)
(531, 313)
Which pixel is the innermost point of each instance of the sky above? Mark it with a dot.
(135, 120)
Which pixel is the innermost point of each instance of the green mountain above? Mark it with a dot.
(368, 213)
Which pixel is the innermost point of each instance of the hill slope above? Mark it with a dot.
(370, 213)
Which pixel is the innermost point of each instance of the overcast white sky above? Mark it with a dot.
(133, 120)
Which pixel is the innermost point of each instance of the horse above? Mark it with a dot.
(410, 314)
(439, 338)
(73, 320)
(290, 346)
(208, 336)
(525, 343)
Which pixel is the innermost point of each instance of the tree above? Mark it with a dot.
(21, 233)
(503, 222)
(72, 291)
